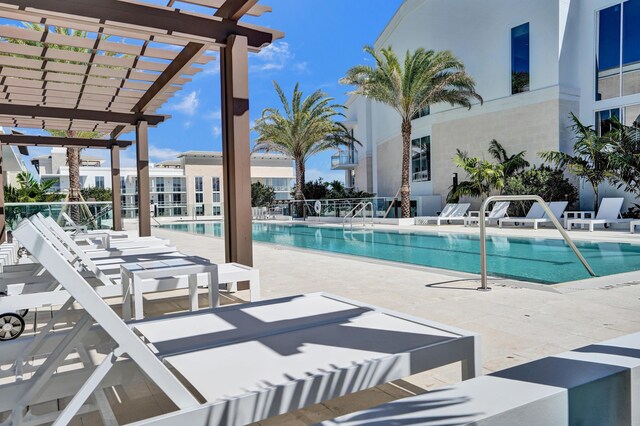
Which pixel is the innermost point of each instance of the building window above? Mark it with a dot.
(421, 158)
(632, 116)
(422, 113)
(631, 48)
(159, 184)
(198, 184)
(520, 59)
(100, 182)
(199, 197)
(215, 184)
(216, 210)
(177, 184)
(618, 51)
(603, 120)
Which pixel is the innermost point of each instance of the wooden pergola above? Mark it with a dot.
(134, 58)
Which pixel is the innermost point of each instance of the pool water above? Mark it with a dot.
(547, 261)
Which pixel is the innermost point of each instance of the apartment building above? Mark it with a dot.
(534, 63)
(190, 185)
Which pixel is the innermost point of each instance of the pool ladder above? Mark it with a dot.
(359, 209)
(550, 215)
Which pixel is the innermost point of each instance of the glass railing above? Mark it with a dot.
(92, 214)
(342, 160)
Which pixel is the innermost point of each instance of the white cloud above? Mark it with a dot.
(188, 104)
(162, 154)
(215, 114)
(273, 57)
(326, 175)
(302, 67)
(217, 131)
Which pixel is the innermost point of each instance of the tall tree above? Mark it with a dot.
(591, 159)
(426, 78)
(625, 158)
(306, 128)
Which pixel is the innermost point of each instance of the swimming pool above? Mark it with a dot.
(547, 261)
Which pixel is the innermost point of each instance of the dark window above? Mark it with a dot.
(100, 182)
(603, 120)
(520, 59)
(608, 53)
(198, 183)
(423, 112)
(631, 48)
(215, 182)
(421, 158)
(159, 184)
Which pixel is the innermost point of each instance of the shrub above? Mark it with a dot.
(262, 195)
(548, 183)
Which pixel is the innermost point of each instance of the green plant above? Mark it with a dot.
(315, 190)
(306, 128)
(482, 177)
(262, 195)
(29, 190)
(591, 159)
(426, 78)
(97, 194)
(550, 184)
(625, 158)
(511, 164)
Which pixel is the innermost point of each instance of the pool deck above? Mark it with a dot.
(517, 323)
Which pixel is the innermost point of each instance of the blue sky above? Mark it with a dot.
(322, 40)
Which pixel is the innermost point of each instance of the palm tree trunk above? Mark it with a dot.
(73, 161)
(299, 185)
(405, 188)
(595, 197)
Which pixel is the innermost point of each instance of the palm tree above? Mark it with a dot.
(426, 78)
(483, 177)
(511, 164)
(592, 159)
(73, 153)
(306, 128)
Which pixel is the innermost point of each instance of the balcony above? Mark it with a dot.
(344, 161)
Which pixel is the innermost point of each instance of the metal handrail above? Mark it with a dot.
(547, 210)
(359, 208)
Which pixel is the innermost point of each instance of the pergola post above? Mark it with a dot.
(236, 157)
(142, 161)
(116, 202)
(3, 229)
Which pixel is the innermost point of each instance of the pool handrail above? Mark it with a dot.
(359, 208)
(554, 220)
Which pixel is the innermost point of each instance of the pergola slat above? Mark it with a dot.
(78, 114)
(235, 9)
(254, 10)
(53, 141)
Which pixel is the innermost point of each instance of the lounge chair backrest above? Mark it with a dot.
(610, 208)
(448, 210)
(535, 212)
(53, 261)
(557, 208)
(460, 210)
(51, 230)
(70, 221)
(499, 210)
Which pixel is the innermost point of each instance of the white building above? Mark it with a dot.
(191, 185)
(533, 62)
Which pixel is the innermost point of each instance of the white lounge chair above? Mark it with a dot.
(498, 211)
(608, 213)
(81, 230)
(450, 213)
(294, 352)
(537, 215)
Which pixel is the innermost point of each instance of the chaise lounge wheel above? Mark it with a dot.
(11, 326)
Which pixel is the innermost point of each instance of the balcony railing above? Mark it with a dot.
(343, 161)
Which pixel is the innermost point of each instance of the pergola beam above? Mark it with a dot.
(16, 110)
(173, 71)
(235, 9)
(135, 16)
(61, 142)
